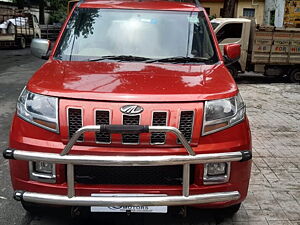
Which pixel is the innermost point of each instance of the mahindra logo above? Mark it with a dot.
(131, 109)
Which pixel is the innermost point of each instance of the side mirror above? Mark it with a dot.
(232, 53)
(40, 48)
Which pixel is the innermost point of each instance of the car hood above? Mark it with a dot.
(132, 81)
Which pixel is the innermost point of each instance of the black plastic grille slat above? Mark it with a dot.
(102, 118)
(159, 119)
(186, 124)
(131, 138)
(75, 122)
(130, 175)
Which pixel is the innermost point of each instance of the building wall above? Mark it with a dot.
(214, 7)
(278, 6)
(258, 6)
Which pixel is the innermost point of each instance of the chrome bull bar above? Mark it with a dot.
(71, 160)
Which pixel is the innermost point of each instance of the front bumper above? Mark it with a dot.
(71, 160)
(126, 201)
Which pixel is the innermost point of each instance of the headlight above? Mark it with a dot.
(223, 113)
(38, 109)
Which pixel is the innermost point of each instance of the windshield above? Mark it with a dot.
(96, 33)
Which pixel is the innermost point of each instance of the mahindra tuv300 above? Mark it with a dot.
(133, 111)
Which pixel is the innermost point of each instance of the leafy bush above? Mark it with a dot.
(58, 11)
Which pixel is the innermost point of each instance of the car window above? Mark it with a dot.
(232, 30)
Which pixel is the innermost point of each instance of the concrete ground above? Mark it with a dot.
(274, 194)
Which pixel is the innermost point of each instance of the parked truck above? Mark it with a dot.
(268, 50)
(18, 28)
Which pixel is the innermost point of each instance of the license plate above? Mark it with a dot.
(132, 209)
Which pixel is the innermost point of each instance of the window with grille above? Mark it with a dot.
(248, 12)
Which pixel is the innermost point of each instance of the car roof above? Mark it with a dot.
(146, 5)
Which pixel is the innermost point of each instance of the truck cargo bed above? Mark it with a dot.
(276, 46)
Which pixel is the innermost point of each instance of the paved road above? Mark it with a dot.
(274, 195)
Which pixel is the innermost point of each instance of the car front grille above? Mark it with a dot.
(74, 121)
(131, 138)
(130, 175)
(159, 119)
(186, 124)
(183, 119)
(102, 118)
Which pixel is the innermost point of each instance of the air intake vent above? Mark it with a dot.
(75, 122)
(131, 138)
(159, 119)
(186, 124)
(102, 118)
(131, 175)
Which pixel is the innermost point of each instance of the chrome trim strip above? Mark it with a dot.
(186, 180)
(128, 160)
(70, 180)
(129, 200)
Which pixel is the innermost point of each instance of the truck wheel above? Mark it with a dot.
(233, 70)
(11, 29)
(295, 75)
(22, 42)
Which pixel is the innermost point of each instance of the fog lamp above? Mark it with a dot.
(216, 173)
(43, 167)
(42, 171)
(215, 169)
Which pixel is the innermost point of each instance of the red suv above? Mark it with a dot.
(134, 111)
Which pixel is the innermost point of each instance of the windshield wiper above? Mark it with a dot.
(180, 59)
(120, 57)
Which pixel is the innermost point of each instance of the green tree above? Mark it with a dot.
(58, 10)
(20, 3)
